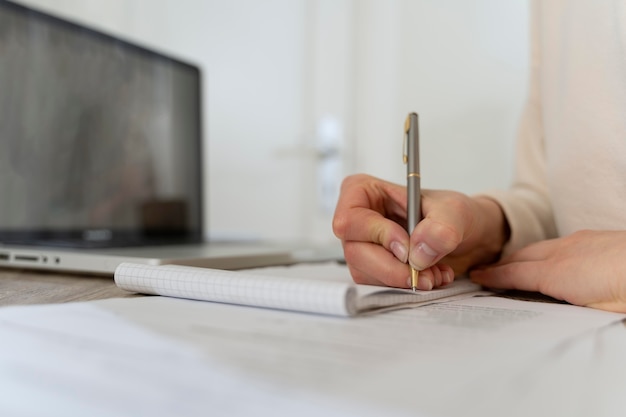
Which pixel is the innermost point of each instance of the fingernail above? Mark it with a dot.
(425, 284)
(446, 277)
(399, 251)
(422, 256)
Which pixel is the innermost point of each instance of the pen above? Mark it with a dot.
(411, 157)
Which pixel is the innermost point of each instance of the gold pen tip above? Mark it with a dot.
(414, 279)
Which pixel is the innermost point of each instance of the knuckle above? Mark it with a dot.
(353, 179)
(456, 204)
(378, 234)
(340, 225)
(446, 237)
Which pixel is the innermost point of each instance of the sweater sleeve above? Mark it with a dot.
(526, 204)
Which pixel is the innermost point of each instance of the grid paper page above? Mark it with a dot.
(373, 298)
(236, 287)
(378, 299)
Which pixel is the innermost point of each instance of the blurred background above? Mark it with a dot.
(300, 93)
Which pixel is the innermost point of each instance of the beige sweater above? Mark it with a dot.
(571, 149)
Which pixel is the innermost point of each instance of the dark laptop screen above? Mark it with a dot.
(99, 139)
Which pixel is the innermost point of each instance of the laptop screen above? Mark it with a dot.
(99, 139)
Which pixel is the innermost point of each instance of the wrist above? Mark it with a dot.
(494, 231)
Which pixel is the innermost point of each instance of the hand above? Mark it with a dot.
(586, 268)
(370, 220)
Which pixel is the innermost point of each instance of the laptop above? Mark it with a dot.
(101, 154)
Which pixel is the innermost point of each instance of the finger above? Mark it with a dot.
(447, 273)
(363, 191)
(435, 276)
(425, 280)
(448, 218)
(370, 210)
(522, 276)
(534, 252)
(365, 225)
(436, 273)
(372, 264)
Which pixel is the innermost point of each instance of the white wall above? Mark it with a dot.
(286, 77)
(462, 66)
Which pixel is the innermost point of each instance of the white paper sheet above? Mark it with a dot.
(159, 356)
(406, 361)
(81, 360)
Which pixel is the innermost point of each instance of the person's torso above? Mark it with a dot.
(583, 87)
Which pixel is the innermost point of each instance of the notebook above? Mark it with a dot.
(321, 288)
(101, 153)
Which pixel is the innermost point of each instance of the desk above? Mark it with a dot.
(230, 360)
(19, 287)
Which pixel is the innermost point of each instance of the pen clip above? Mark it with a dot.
(405, 139)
